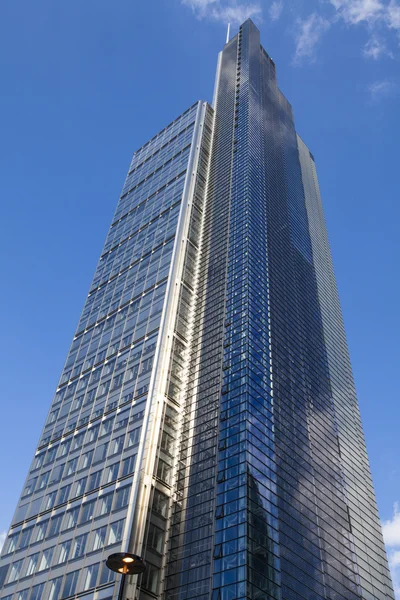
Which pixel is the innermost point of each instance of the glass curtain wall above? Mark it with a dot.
(76, 505)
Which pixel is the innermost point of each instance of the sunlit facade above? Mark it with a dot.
(206, 416)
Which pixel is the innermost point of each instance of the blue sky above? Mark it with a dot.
(85, 83)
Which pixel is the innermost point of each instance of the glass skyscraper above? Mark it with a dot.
(206, 416)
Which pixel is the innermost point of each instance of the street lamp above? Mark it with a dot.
(126, 564)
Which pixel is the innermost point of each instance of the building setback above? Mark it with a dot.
(206, 416)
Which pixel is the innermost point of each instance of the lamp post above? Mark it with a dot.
(126, 564)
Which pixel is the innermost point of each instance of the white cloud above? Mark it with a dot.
(379, 18)
(198, 4)
(308, 34)
(376, 48)
(393, 15)
(237, 14)
(391, 535)
(227, 12)
(394, 564)
(391, 528)
(275, 10)
(356, 11)
(379, 15)
(3, 536)
(379, 90)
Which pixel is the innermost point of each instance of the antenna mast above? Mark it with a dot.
(228, 32)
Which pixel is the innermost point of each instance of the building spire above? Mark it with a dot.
(228, 32)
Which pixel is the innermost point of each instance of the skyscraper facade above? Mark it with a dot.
(206, 416)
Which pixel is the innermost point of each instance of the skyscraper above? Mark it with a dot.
(206, 416)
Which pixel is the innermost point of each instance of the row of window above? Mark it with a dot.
(152, 183)
(86, 460)
(61, 587)
(67, 551)
(65, 521)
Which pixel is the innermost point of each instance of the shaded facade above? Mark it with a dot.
(206, 416)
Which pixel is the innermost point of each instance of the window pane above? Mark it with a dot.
(90, 576)
(54, 588)
(64, 551)
(115, 532)
(79, 546)
(87, 511)
(70, 584)
(99, 538)
(37, 592)
(105, 503)
(32, 563)
(15, 570)
(45, 561)
(122, 497)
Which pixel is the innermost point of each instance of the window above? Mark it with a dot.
(56, 474)
(51, 455)
(101, 452)
(99, 538)
(90, 576)
(77, 441)
(71, 467)
(79, 546)
(111, 473)
(116, 445)
(82, 383)
(90, 396)
(164, 471)
(25, 537)
(167, 443)
(64, 447)
(38, 462)
(133, 437)
(64, 550)
(122, 497)
(115, 532)
(104, 387)
(30, 486)
(128, 465)
(122, 419)
(105, 503)
(96, 374)
(92, 433)
(46, 558)
(87, 511)
(94, 480)
(150, 578)
(11, 543)
(43, 479)
(37, 592)
(50, 501)
(71, 580)
(32, 563)
(155, 538)
(15, 570)
(117, 381)
(64, 494)
(106, 575)
(40, 530)
(71, 518)
(55, 588)
(86, 460)
(160, 504)
(80, 486)
(78, 401)
(55, 525)
(22, 595)
(106, 426)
